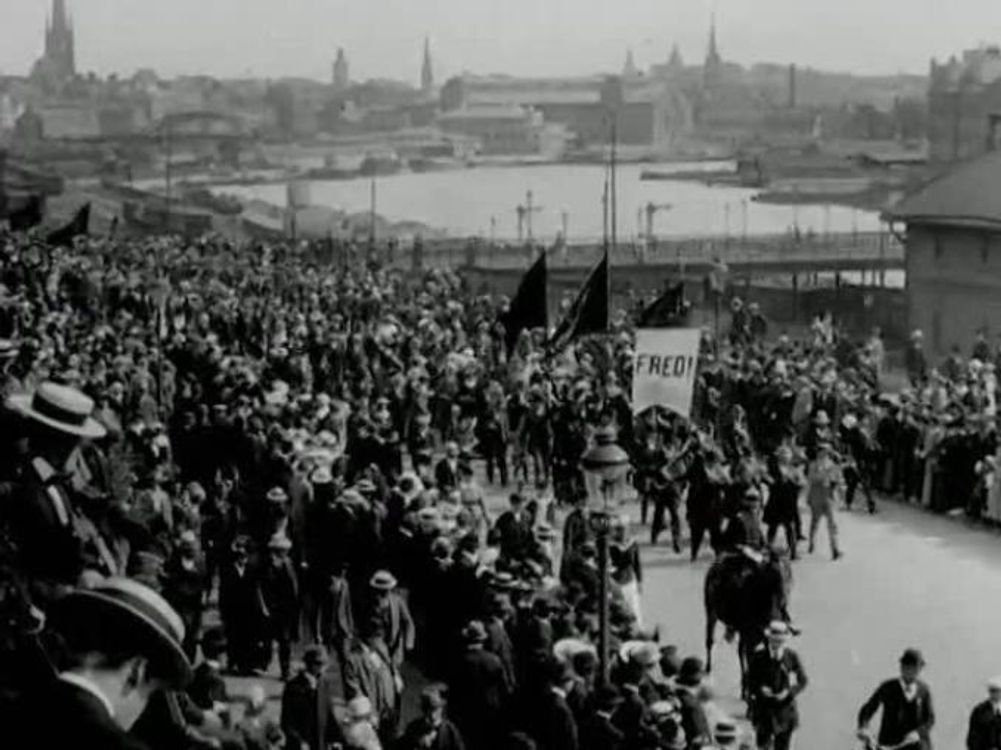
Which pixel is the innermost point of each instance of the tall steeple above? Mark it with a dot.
(629, 70)
(59, 61)
(427, 73)
(712, 55)
(713, 68)
(60, 19)
(342, 72)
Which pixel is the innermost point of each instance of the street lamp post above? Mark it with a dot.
(606, 467)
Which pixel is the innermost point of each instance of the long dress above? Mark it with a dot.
(627, 573)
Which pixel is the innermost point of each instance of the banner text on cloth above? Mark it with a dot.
(664, 371)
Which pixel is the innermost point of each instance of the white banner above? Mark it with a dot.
(664, 368)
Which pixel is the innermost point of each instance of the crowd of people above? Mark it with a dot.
(249, 461)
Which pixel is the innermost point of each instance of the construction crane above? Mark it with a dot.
(651, 210)
(525, 212)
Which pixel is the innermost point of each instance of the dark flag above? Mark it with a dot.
(77, 226)
(27, 216)
(528, 308)
(668, 310)
(589, 311)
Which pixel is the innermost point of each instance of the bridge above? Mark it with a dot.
(759, 255)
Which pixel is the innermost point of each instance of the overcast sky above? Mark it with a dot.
(383, 38)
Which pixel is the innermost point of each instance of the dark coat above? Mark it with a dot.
(445, 476)
(83, 722)
(782, 675)
(900, 716)
(307, 712)
(985, 728)
(693, 717)
(599, 733)
(550, 722)
(480, 693)
(207, 687)
(446, 736)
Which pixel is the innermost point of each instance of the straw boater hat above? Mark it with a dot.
(383, 580)
(60, 407)
(144, 612)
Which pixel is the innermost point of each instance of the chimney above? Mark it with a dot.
(792, 86)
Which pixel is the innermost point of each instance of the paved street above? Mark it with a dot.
(908, 579)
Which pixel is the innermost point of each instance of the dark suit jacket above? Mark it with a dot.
(307, 712)
(64, 716)
(985, 728)
(599, 733)
(207, 687)
(900, 716)
(480, 692)
(447, 737)
(777, 675)
(445, 477)
(551, 723)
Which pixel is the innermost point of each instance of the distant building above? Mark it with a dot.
(953, 262)
(427, 72)
(57, 65)
(650, 112)
(964, 104)
(499, 129)
(342, 76)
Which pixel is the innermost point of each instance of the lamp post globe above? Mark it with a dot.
(606, 467)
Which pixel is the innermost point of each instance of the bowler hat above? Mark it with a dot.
(315, 655)
(691, 673)
(474, 632)
(912, 658)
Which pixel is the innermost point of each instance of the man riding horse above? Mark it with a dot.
(745, 552)
(747, 586)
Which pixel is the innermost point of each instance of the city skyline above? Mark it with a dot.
(485, 36)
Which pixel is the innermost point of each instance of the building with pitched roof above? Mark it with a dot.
(953, 254)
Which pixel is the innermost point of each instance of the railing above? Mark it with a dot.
(775, 249)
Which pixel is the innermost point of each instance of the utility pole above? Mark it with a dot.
(372, 204)
(528, 215)
(167, 176)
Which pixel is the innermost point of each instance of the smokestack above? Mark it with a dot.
(792, 86)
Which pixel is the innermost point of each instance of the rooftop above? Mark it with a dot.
(967, 196)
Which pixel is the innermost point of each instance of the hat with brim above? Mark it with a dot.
(8, 349)
(143, 612)
(691, 673)
(912, 658)
(568, 648)
(280, 543)
(383, 580)
(474, 632)
(359, 709)
(777, 629)
(61, 408)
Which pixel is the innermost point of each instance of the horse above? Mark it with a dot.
(745, 597)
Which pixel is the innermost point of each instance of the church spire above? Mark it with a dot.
(427, 73)
(713, 68)
(629, 70)
(60, 19)
(712, 55)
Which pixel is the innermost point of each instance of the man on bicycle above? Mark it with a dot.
(908, 715)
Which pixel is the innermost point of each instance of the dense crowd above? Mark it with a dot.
(290, 454)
